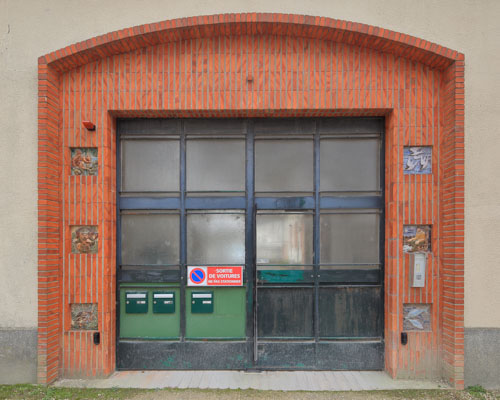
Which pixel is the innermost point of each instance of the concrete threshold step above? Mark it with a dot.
(266, 380)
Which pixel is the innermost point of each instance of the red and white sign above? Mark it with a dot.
(215, 276)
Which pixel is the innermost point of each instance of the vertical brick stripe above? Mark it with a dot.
(49, 224)
(452, 219)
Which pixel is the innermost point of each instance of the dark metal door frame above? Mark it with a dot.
(143, 354)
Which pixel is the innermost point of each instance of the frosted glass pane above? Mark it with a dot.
(282, 165)
(215, 239)
(349, 165)
(150, 165)
(214, 165)
(349, 238)
(150, 239)
(284, 239)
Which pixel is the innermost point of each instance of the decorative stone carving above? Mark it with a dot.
(84, 239)
(417, 160)
(416, 238)
(84, 317)
(84, 161)
(416, 317)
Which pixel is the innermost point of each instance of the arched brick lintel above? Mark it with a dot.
(348, 32)
(449, 63)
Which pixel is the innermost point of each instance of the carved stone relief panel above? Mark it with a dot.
(84, 161)
(84, 239)
(416, 317)
(84, 316)
(417, 160)
(416, 238)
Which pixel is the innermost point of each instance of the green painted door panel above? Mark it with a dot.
(149, 325)
(227, 320)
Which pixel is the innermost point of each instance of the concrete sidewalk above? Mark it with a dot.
(267, 380)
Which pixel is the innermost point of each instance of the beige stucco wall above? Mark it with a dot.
(30, 28)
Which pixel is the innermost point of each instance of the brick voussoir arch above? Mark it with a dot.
(449, 64)
(353, 33)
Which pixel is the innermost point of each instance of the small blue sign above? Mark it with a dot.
(197, 275)
(417, 160)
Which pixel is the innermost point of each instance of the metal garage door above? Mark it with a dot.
(297, 204)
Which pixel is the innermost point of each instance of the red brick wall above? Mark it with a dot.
(251, 65)
(49, 224)
(452, 223)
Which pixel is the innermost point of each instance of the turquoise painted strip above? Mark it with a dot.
(142, 338)
(284, 276)
(211, 339)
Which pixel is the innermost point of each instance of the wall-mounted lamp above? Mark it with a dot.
(89, 125)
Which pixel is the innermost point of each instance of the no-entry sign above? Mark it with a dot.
(215, 276)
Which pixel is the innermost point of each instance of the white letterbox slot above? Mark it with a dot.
(136, 296)
(163, 296)
(202, 296)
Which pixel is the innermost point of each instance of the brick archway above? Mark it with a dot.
(250, 65)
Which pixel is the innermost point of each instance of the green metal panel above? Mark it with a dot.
(227, 320)
(202, 302)
(163, 302)
(149, 325)
(136, 302)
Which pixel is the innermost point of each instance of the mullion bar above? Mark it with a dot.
(151, 266)
(285, 137)
(351, 202)
(377, 264)
(118, 237)
(285, 265)
(148, 203)
(118, 202)
(215, 203)
(174, 203)
(214, 137)
(350, 275)
(347, 136)
(183, 234)
(316, 230)
(285, 203)
(150, 137)
(381, 235)
(208, 193)
(251, 298)
(149, 275)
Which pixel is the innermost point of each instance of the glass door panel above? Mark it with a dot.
(216, 238)
(284, 242)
